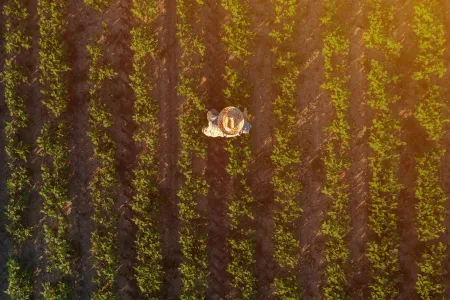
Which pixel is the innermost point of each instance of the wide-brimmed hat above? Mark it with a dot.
(231, 120)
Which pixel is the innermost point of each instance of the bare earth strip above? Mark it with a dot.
(315, 114)
(217, 157)
(121, 102)
(82, 24)
(165, 92)
(34, 249)
(415, 139)
(360, 121)
(260, 78)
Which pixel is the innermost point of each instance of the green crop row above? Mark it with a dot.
(103, 183)
(428, 26)
(337, 223)
(193, 228)
(99, 5)
(384, 186)
(18, 183)
(147, 200)
(237, 37)
(53, 144)
(285, 156)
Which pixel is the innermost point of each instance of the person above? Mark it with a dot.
(231, 122)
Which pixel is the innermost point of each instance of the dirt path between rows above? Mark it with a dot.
(170, 179)
(415, 139)
(360, 120)
(315, 114)
(83, 23)
(217, 157)
(121, 101)
(260, 79)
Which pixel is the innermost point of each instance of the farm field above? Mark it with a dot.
(109, 189)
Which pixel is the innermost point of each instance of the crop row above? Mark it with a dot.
(103, 184)
(53, 145)
(337, 223)
(17, 41)
(384, 186)
(237, 38)
(193, 227)
(431, 114)
(99, 5)
(147, 199)
(285, 156)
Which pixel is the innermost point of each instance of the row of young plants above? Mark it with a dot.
(18, 183)
(337, 224)
(193, 227)
(384, 186)
(242, 242)
(285, 156)
(53, 146)
(147, 200)
(431, 113)
(102, 187)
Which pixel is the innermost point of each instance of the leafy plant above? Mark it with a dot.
(285, 155)
(194, 266)
(431, 114)
(384, 186)
(102, 185)
(337, 224)
(147, 200)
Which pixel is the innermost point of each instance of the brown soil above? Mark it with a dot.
(360, 120)
(217, 156)
(165, 92)
(414, 137)
(315, 114)
(260, 79)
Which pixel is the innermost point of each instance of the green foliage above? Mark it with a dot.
(99, 5)
(384, 186)
(381, 26)
(429, 28)
(429, 283)
(193, 267)
(285, 155)
(431, 113)
(147, 200)
(53, 145)
(15, 35)
(14, 76)
(237, 34)
(431, 197)
(20, 280)
(58, 291)
(102, 185)
(337, 224)
(238, 37)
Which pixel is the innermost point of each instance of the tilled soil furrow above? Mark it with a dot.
(217, 157)
(315, 113)
(260, 78)
(415, 139)
(360, 120)
(166, 93)
(119, 53)
(82, 22)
